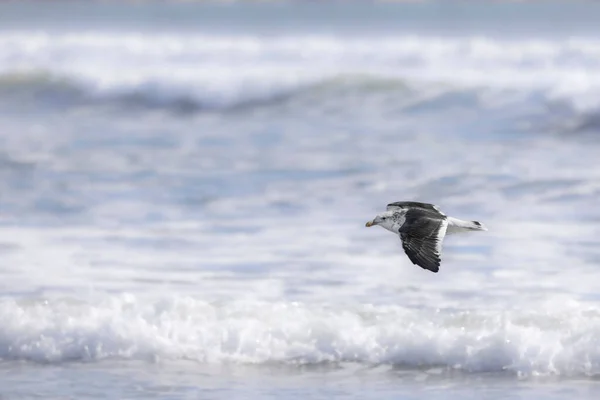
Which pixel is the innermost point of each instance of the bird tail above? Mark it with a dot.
(478, 226)
(459, 225)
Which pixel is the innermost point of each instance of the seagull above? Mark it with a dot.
(422, 227)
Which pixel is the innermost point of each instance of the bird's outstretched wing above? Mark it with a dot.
(422, 234)
(412, 204)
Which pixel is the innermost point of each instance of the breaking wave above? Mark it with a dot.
(558, 340)
(57, 90)
(202, 71)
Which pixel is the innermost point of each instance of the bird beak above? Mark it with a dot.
(369, 224)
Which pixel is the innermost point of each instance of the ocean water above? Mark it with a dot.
(184, 189)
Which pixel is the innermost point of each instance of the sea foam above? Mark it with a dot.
(553, 340)
(226, 70)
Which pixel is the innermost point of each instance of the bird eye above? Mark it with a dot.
(384, 218)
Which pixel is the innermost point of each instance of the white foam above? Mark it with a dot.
(556, 339)
(223, 70)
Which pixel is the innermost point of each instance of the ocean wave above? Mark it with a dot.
(557, 340)
(44, 87)
(205, 71)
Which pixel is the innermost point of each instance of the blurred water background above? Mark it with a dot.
(184, 189)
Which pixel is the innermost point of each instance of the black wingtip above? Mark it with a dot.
(433, 268)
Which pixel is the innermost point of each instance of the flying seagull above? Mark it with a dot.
(422, 227)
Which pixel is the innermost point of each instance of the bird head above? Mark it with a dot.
(384, 219)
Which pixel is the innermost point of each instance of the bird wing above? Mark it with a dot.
(412, 204)
(422, 234)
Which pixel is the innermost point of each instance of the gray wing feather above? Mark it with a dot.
(412, 204)
(422, 235)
